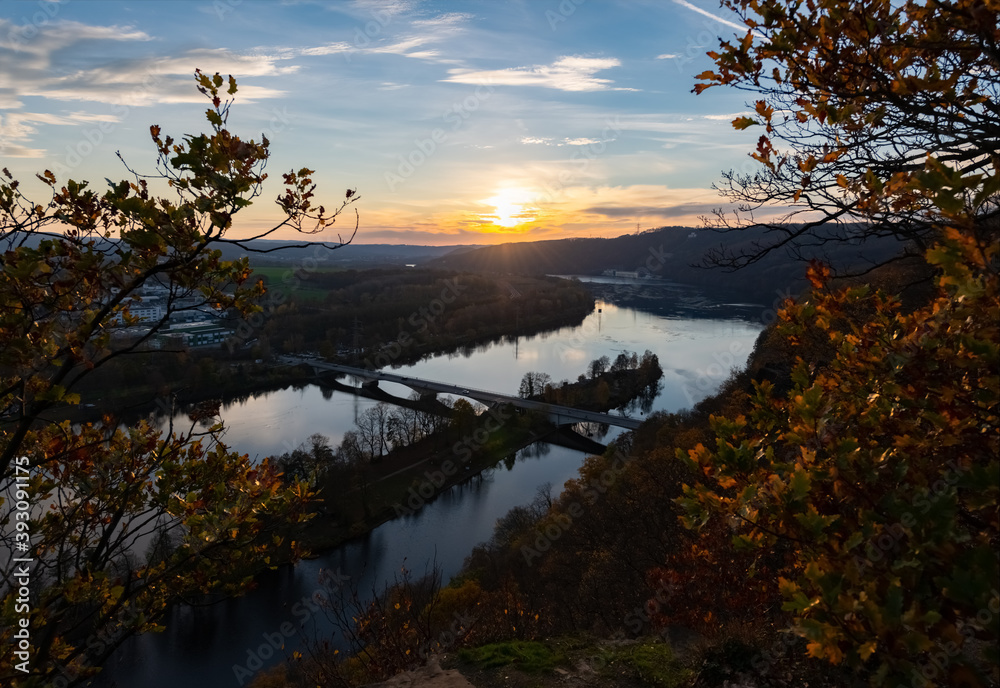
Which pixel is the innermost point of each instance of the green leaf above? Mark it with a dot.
(799, 484)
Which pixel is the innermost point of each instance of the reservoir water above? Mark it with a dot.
(202, 646)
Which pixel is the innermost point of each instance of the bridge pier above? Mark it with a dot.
(425, 394)
(561, 420)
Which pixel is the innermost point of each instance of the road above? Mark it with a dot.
(560, 415)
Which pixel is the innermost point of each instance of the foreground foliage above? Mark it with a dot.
(873, 481)
(114, 524)
(874, 117)
(879, 475)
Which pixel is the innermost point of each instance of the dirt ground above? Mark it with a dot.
(582, 675)
(429, 676)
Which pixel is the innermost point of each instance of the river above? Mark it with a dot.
(203, 647)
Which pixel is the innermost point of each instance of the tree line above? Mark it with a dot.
(383, 316)
(607, 384)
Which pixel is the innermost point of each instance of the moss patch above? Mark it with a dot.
(652, 662)
(528, 656)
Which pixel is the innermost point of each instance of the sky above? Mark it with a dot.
(456, 122)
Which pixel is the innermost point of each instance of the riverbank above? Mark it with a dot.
(163, 383)
(413, 474)
(407, 479)
(445, 530)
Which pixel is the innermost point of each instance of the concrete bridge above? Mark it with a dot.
(558, 415)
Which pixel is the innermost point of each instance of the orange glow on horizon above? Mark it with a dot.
(511, 211)
(512, 207)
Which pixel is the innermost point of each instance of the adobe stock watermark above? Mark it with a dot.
(890, 538)
(462, 452)
(560, 524)
(420, 319)
(93, 137)
(361, 38)
(939, 660)
(696, 46)
(656, 259)
(279, 121)
(96, 645)
(46, 11)
(461, 624)
(23, 576)
(563, 11)
(224, 7)
(21, 563)
(708, 379)
(582, 158)
(637, 622)
(364, 34)
(424, 148)
(276, 296)
(273, 642)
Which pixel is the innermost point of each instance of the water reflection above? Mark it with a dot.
(201, 646)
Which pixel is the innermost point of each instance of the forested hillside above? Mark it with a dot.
(397, 315)
(676, 254)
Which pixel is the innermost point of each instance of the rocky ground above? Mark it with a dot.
(643, 663)
(561, 663)
(429, 676)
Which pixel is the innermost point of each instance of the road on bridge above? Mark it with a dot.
(562, 415)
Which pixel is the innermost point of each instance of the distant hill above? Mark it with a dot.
(352, 255)
(668, 253)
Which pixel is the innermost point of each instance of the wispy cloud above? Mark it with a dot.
(366, 82)
(17, 128)
(319, 50)
(41, 40)
(160, 79)
(548, 141)
(418, 42)
(694, 8)
(449, 20)
(128, 81)
(726, 118)
(31, 69)
(26, 52)
(569, 73)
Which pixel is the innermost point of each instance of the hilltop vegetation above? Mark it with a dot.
(393, 316)
(676, 254)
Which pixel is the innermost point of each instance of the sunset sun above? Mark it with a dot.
(511, 207)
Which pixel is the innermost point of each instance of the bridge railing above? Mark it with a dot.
(513, 397)
(375, 373)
